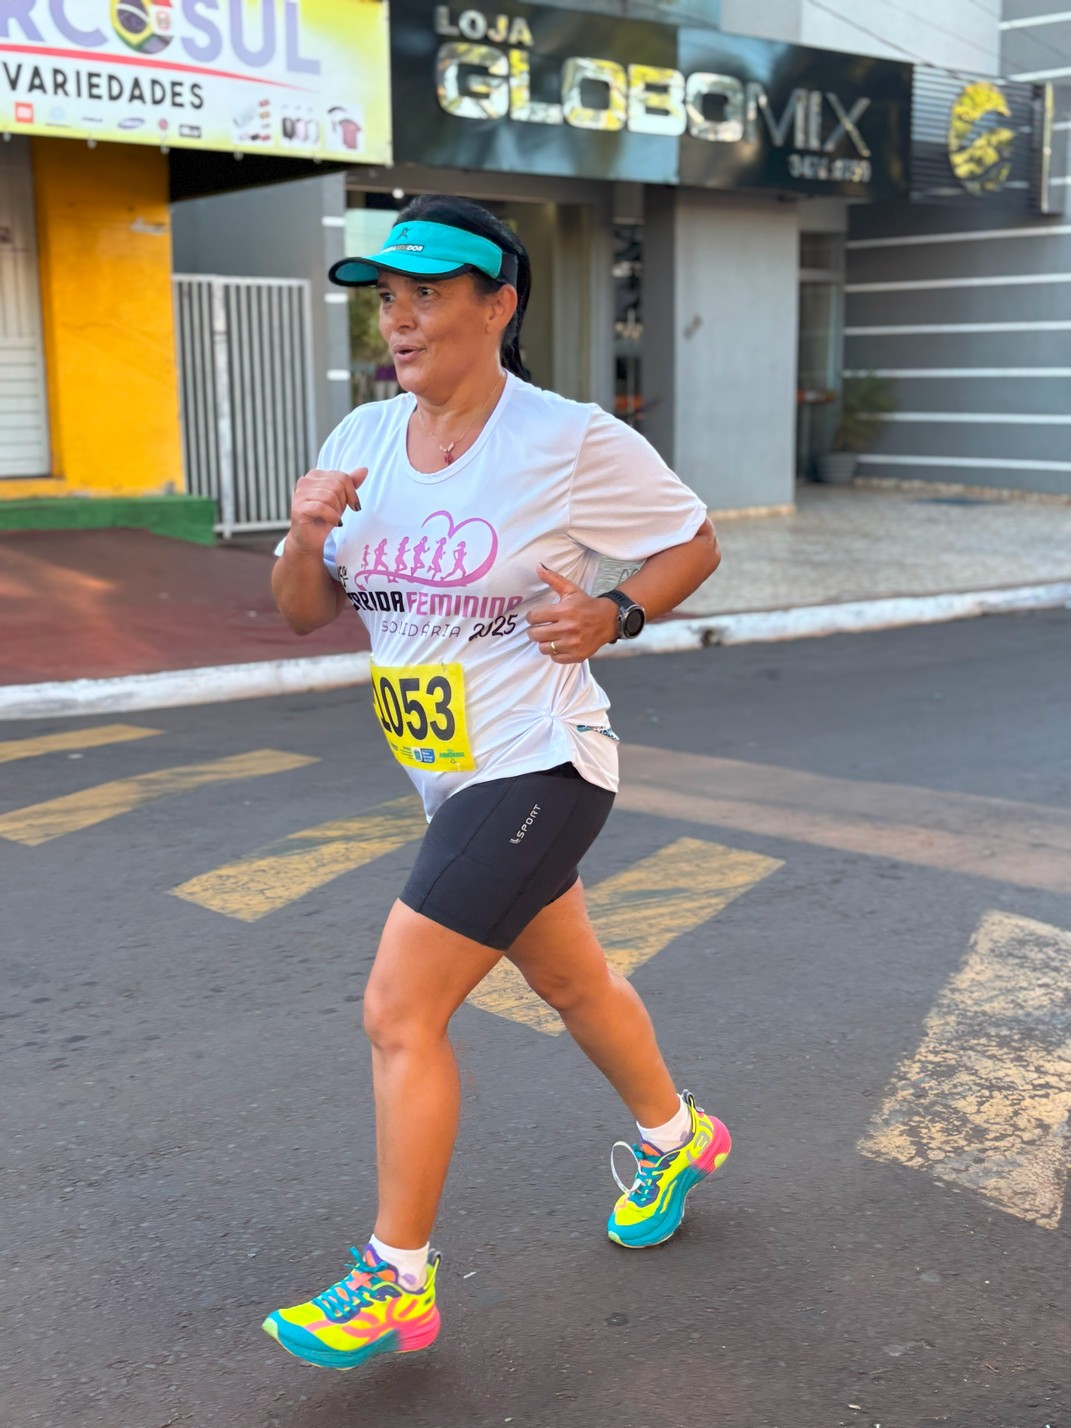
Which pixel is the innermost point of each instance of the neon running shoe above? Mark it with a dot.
(365, 1314)
(651, 1209)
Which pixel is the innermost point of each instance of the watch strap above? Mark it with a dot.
(620, 599)
(624, 604)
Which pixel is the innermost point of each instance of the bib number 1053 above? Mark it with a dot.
(422, 710)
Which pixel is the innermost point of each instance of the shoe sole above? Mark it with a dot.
(656, 1233)
(339, 1359)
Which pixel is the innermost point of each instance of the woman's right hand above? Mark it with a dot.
(320, 499)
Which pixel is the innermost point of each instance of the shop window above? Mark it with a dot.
(820, 344)
(822, 251)
(628, 322)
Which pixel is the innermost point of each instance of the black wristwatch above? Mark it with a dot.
(631, 617)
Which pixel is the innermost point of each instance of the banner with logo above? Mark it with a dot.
(982, 139)
(533, 89)
(300, 78)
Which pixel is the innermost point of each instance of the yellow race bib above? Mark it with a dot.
(422, 710)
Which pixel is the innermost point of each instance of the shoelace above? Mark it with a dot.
(648, 1169)
(353, 1292)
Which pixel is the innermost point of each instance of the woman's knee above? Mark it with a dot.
(391, 1025)
(420, 976)
(568, 992)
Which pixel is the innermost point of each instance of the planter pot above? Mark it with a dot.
(837, 468)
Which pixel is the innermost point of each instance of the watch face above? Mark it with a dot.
(633, 622)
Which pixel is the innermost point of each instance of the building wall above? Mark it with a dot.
(284, 230)
(104, 244)
(773, 20)
(954, 34)
(664, 12)
(1036, 46)
(1036, 40)
(970, 327)
(968, 313)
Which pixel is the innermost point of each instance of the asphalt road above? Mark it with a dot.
(187, 1137)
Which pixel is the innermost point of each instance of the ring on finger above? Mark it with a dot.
(553, 648)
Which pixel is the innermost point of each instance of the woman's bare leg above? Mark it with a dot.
(560, 957)
(422, 974)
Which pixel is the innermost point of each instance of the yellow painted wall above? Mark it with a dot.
(104, 241)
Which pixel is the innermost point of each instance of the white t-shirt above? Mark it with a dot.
(443, 568)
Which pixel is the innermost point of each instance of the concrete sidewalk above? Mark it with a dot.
(109, 620)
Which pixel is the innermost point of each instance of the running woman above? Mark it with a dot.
(481, 682)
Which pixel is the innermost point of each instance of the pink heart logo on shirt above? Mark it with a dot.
(444, 554)
(477, 557)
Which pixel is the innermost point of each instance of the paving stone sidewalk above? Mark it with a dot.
(859, 543)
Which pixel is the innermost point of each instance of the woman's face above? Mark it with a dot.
(440, 331)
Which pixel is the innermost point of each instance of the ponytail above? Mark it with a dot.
(511, 338)
(463, 213)
(511, 356)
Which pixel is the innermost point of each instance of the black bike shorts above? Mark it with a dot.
(497, 853)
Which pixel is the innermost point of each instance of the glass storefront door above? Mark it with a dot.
(816, 382)
(820, 342)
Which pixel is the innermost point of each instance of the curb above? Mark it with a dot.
(173, 687)
(848, 618)
(219, 683)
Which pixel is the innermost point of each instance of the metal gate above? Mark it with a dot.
(24, 439)
(245, 388)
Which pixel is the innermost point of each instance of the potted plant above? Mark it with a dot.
(865, 402)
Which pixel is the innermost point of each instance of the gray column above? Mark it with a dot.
(331, 325)
(720, 304)
(600, 346)
(583, 302)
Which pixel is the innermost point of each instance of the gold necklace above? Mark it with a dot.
(447, 451)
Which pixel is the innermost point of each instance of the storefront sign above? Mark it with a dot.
(532, 89)
(302, 78)
(982, 140)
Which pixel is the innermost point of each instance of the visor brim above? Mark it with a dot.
(362, 272)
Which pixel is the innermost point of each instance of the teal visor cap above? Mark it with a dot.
(428, 250)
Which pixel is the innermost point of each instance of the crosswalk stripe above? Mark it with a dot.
(930, 828)
(985, 1102)
(642, 909)
(41, 822)
(12, 749)
(636, 913)
(298, 864)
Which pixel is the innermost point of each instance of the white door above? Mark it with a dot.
(24, 447)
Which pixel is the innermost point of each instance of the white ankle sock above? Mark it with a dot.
(673, 1133)
(412, 1265)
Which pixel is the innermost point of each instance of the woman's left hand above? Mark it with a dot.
(570, 631)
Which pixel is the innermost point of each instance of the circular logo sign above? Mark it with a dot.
(979, 145)
(144, 25)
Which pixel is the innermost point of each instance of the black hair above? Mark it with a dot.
(463, 213)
